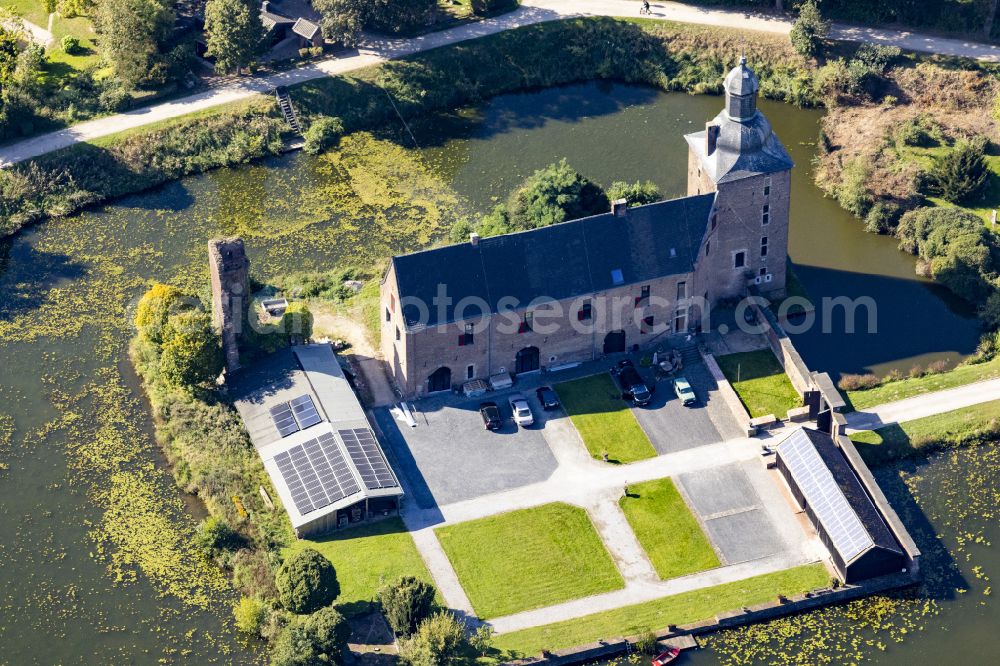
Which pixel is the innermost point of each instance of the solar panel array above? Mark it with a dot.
(316, 473)
(305, 411)
(284, 421)
(825, 497)
(296, 415)
(368, 458)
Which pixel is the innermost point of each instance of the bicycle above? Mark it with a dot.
(645, 10)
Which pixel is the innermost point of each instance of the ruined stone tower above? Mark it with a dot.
(740, 157)
(230, 272)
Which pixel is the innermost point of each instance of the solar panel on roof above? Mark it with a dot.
(305, 411)
(283, 419)
(825, 497)
(617, 277)
(364, 451)
(316, 474)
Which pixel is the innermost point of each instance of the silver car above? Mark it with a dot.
(522, 411)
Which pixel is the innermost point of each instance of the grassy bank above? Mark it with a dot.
(961, 427)
(657, 614)
(761, 383)
(668, 56)
(666, 528)
(907, 388)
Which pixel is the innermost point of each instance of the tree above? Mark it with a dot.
(809, 30)
(316, 640)
(250, 614)
(439, 641)
(406, 603)
(155, 307)
(400, 16)
(214, 535)
(636, 194)
(342, 20)
(492, 7)
(482, 639)
(329, 631)
(321, 134)
(132, 33)
(297, 320)
(191, 352)
(959, 174)
(554, 194)
(306, 582)
(233, 33)
(294, 647)
(990, 311)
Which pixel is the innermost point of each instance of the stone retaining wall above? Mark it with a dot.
(727, 392)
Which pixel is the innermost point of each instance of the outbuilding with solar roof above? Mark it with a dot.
(310, 430)
(848, 522)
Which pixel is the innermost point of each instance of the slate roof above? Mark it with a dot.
(741, 80)
(556, 262)
(817, 492)
(743, 149)
(305, 28)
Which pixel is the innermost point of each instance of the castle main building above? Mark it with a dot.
(604, 284)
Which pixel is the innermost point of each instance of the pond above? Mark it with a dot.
(97, 566)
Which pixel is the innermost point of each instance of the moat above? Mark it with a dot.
(83, 469)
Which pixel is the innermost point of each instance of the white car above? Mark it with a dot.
(522, 412)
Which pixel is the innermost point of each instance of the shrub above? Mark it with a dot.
(114, 99)
(990, 311)
(252, 574)
(297, 320)
(809, 30)
(215, 535)
(492, 7)
(921, 130)
(250, 614)
(328, 630)
(636, 194)
(314, 640)
(853, 192)
(959, 174)
(482, 639)
(155, 307)
(406, 603)
(882, 218)
(191, 353)
(937, 367)
(306, 582)
(322, 133)
(70, 44)
(851, 382)
(554, 194)
(439, 640)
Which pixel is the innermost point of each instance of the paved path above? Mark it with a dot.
(927, 404)
(37, 33)
(378, 49)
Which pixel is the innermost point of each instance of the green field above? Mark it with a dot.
(907, 388)
(528, 559)
(653, 615)
(761, 383)
(604, 420)
(367, 556)
(902, 440)
(666, 528)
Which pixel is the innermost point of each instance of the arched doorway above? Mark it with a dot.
(440, 380)
(526, 360)
(614, 342)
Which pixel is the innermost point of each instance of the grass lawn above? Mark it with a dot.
(762, 384)
(667, 530)
(653, 615)
(604, 420)
(901, 440)
(528, 559)
(907, 388)
(367, 556)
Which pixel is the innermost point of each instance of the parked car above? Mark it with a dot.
(631, 384)
(547, 397)
(522, 412)
(684, 391)
(491, 415)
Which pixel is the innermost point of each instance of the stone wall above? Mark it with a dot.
(229, 270)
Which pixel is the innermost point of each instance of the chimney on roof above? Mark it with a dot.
(619, 207)
(711, 138)
(474, 239)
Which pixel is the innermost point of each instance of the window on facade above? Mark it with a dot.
(392, 302)
(767, 186)
(763, 246)
(647, 325)
(388, 315)
(739, 259)
(585, 312)
(715, 220)
(643, 296)
(467, 337)
(680, 319)
(765, 217)
(397, 332)
(708, 246)
(682, 288)
(526, 322)
(763, 271)
(470, 372)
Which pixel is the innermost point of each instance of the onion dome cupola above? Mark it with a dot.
(741, 92)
